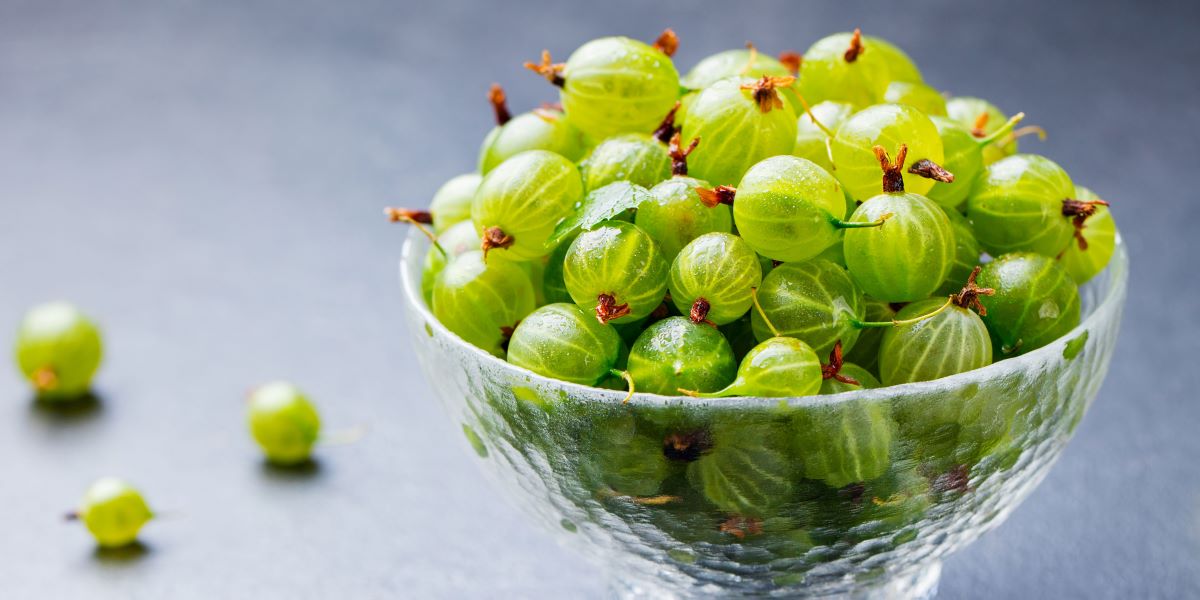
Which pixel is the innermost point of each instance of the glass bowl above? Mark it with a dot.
(858, 494)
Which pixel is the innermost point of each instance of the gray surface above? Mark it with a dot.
(207, 181)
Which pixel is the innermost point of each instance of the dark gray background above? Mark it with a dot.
(207, 181)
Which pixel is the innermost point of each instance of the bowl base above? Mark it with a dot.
(921, 584)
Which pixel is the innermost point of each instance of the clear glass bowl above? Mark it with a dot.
(858, 494)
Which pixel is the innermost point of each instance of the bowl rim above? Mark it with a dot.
(412, 258)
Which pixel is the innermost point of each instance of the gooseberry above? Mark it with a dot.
(617, 269)
(543, 128)
(284, 422)
(564, 342)
(519, 203)
(816, 127)
(676, 213)
(886, 125)
(675, 354)
(713, 277)
(739, 122)
(1094, 240)
(451, 204)
(58, 350)
(917, 95)
(482, 302)
(1036, 302)
(114, 512)
(845, 68)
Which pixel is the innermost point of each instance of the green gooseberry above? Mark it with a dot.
(114, 512)
(787, 208)
(539, 129)
(780, 367)
(1026, 202)
(622, 459)
(634, 157)
(713, 278)
(618, 269)
(564, 342)
(676, 354)
(812, 136)
(909, 257)
(739, 122)
(1094, 243)
(865, 352)
(900, 66)
(482, 302)
(952, 341)
(964, 158)
(814, 301)
(456, 240)
(889, 126)
(519, 203)
(615, 85)
(917, 95)
(451, 204)
(284, 423)
(982, 119)
(58, 350)
(852, 378)
(1036, 302)
(747, 471)
(966, 254)
(675, 215)
(739, 62)
(845, 68)
(842, 443)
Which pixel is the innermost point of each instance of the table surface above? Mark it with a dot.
(207, 181)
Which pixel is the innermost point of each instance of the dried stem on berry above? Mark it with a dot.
(552, 71)
(44, 379)
(679, 167)
(506, 333)
(981, 122)
(666, 130)
(968, 297)
(833, 370)
(499, 104)
(753, 58)
(607, 308)
(856, 47)
(930, 170)
(494, 237)
(408, 215)
(722, 194)
(893, 172)
(792, 60)
(764, 92)
(699, 312)
(667, 42)
(1079, 211)
(739, 527)
(687, 447)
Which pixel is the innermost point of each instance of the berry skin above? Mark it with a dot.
(452, 202)
(966, 254)
(886, 125)
(1083, 260)
(916, 95)
(812, 140)
(982, 118)
(676, 215)
(1017, 204)
(814, 301)
(739, 122)
(58, 350)
(284, 423)
(845, 68)
(617, 85)
(675, 354)
(900, 66)
(565, 342)
(540, 129)
(634, 157)
(554, 288)
(456, 240)
(618, 270)
(519, 203)
(739, 62)
(950, 342)
(789, 209)
(1036, 302)
(714, 277)
(114, 512)
(746, 471)
(844, 443)
(482, 302)
(780, 367)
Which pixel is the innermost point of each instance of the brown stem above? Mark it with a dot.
(666, 130)
(45, 379)
(679, 167)
(667, 42)
(968, 297)
(1079, 211)
(764, 92)
(833, 370)
(499, 104)
(408, 215)
(494, 237)
(930, 170)
(722, 194)
(978, 129)
(792, 60)
(687, 447)
(856, 47)
(552, 71)
(739, 527)
(607, 308)
(506, 333)
(699, 312)
(893, 172)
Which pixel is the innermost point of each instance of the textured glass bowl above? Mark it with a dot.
(858, 494)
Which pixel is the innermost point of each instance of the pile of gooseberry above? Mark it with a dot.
(830, 204)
